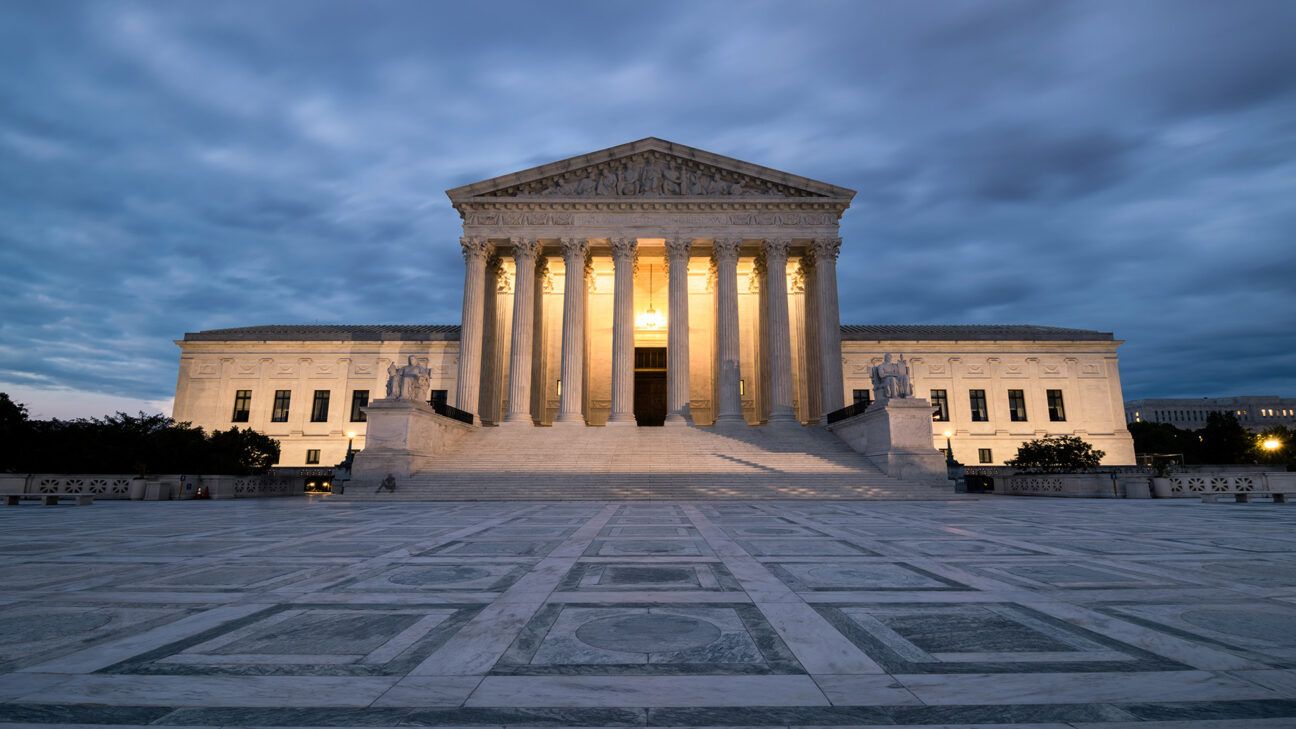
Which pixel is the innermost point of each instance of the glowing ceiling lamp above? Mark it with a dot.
(651, 319)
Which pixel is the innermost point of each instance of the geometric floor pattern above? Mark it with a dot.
(985, 612)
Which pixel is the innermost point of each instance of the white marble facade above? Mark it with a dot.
(565, 267)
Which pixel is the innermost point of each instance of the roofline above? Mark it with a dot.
(466, 193)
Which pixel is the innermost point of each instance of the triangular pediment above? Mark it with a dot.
(649, 168)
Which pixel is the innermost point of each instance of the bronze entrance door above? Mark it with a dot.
(650, 386)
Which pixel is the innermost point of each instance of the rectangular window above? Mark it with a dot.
(940, 406)
(984, 456)
(979, 412)
(319, 408)
(1057, 410)
(1017, 406)
(280, 413)
(312, 457)
(242, 406)
(862, 397)
(438, 397)
(359, 400)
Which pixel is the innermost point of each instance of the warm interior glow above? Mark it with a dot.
(1271, 444)
(650, 319)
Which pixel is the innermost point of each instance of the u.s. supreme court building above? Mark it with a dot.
(652, 284)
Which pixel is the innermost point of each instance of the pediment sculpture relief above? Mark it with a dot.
(651, 174)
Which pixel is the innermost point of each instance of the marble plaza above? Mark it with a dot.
(988, 611)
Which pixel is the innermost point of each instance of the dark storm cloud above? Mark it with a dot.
(168, 167)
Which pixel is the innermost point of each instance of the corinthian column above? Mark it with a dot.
(729, 407)
(524, 262)
(825, 255)
(677, 333)
(573, 332)
(623, 256)
(780, 337)
(814, 372)
(468, 384)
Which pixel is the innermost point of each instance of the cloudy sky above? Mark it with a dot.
(168, 167)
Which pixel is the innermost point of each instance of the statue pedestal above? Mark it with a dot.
(400, 434)
(896, 435)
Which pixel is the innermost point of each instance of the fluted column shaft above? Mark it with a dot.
(825, 254)
(468, 385)
(677, 334)
(573, 331)
(780, 337)
(729, 407)
(623, 258)
(524, 286)
(496, 318)
(814, 374)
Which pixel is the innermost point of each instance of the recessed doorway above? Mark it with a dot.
(650, 386)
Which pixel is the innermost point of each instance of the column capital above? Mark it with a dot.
(623, 249)
(475, 249)
(725, 249)
(574, 249)
(678, 248)
(777, 248)
(826, 248)
(524, 248)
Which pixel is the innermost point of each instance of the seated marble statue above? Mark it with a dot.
(410, 382)
(891, 379)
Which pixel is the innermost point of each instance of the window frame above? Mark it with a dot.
(982, 414)
(985, 455)
(1017, 406)
(357, 414)
(312, 456)
(867, 397)
(1056, 408)
(279, 412)
(940, 406)
(316, 415)
(243, 414)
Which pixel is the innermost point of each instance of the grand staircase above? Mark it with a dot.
(555, 463)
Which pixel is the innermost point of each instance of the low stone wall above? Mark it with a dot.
(1193, 485)
(1084, 485)
(150, 488)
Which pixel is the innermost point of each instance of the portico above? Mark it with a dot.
(572, 267)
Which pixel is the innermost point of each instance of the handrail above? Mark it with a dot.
(449, 411)
(849, 411)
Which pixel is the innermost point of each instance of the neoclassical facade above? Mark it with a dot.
(654, 284)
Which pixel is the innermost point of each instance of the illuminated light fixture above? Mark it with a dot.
(559, 388)
(742, 387)
(651, 319)
(1271, 444)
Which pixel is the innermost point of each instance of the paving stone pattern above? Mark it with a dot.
(982, 612)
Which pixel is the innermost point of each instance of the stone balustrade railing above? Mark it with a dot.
(152, 488)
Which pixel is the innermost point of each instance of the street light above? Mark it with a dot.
(350, 440)
(949, 449)
(1271, 444)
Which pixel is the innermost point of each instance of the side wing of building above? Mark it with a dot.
(302, 385)
(995, 387)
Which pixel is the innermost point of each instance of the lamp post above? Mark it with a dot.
(350, 441)
(1271, 444)
(949, 449)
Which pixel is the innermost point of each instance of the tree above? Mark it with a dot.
(121, 443)
(1056, 454)
(1164, 439)
(1225, 442)
(14, 432)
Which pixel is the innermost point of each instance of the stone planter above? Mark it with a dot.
(1137, 488)
(1161, 488)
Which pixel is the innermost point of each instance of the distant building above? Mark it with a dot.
(1254, 412)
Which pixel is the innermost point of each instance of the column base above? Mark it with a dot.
(619, 420)
(730, 421)
(525, 422)
(576, 422)
(675, 420)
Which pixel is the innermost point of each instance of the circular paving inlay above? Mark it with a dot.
(648, 633)
(437, 575)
